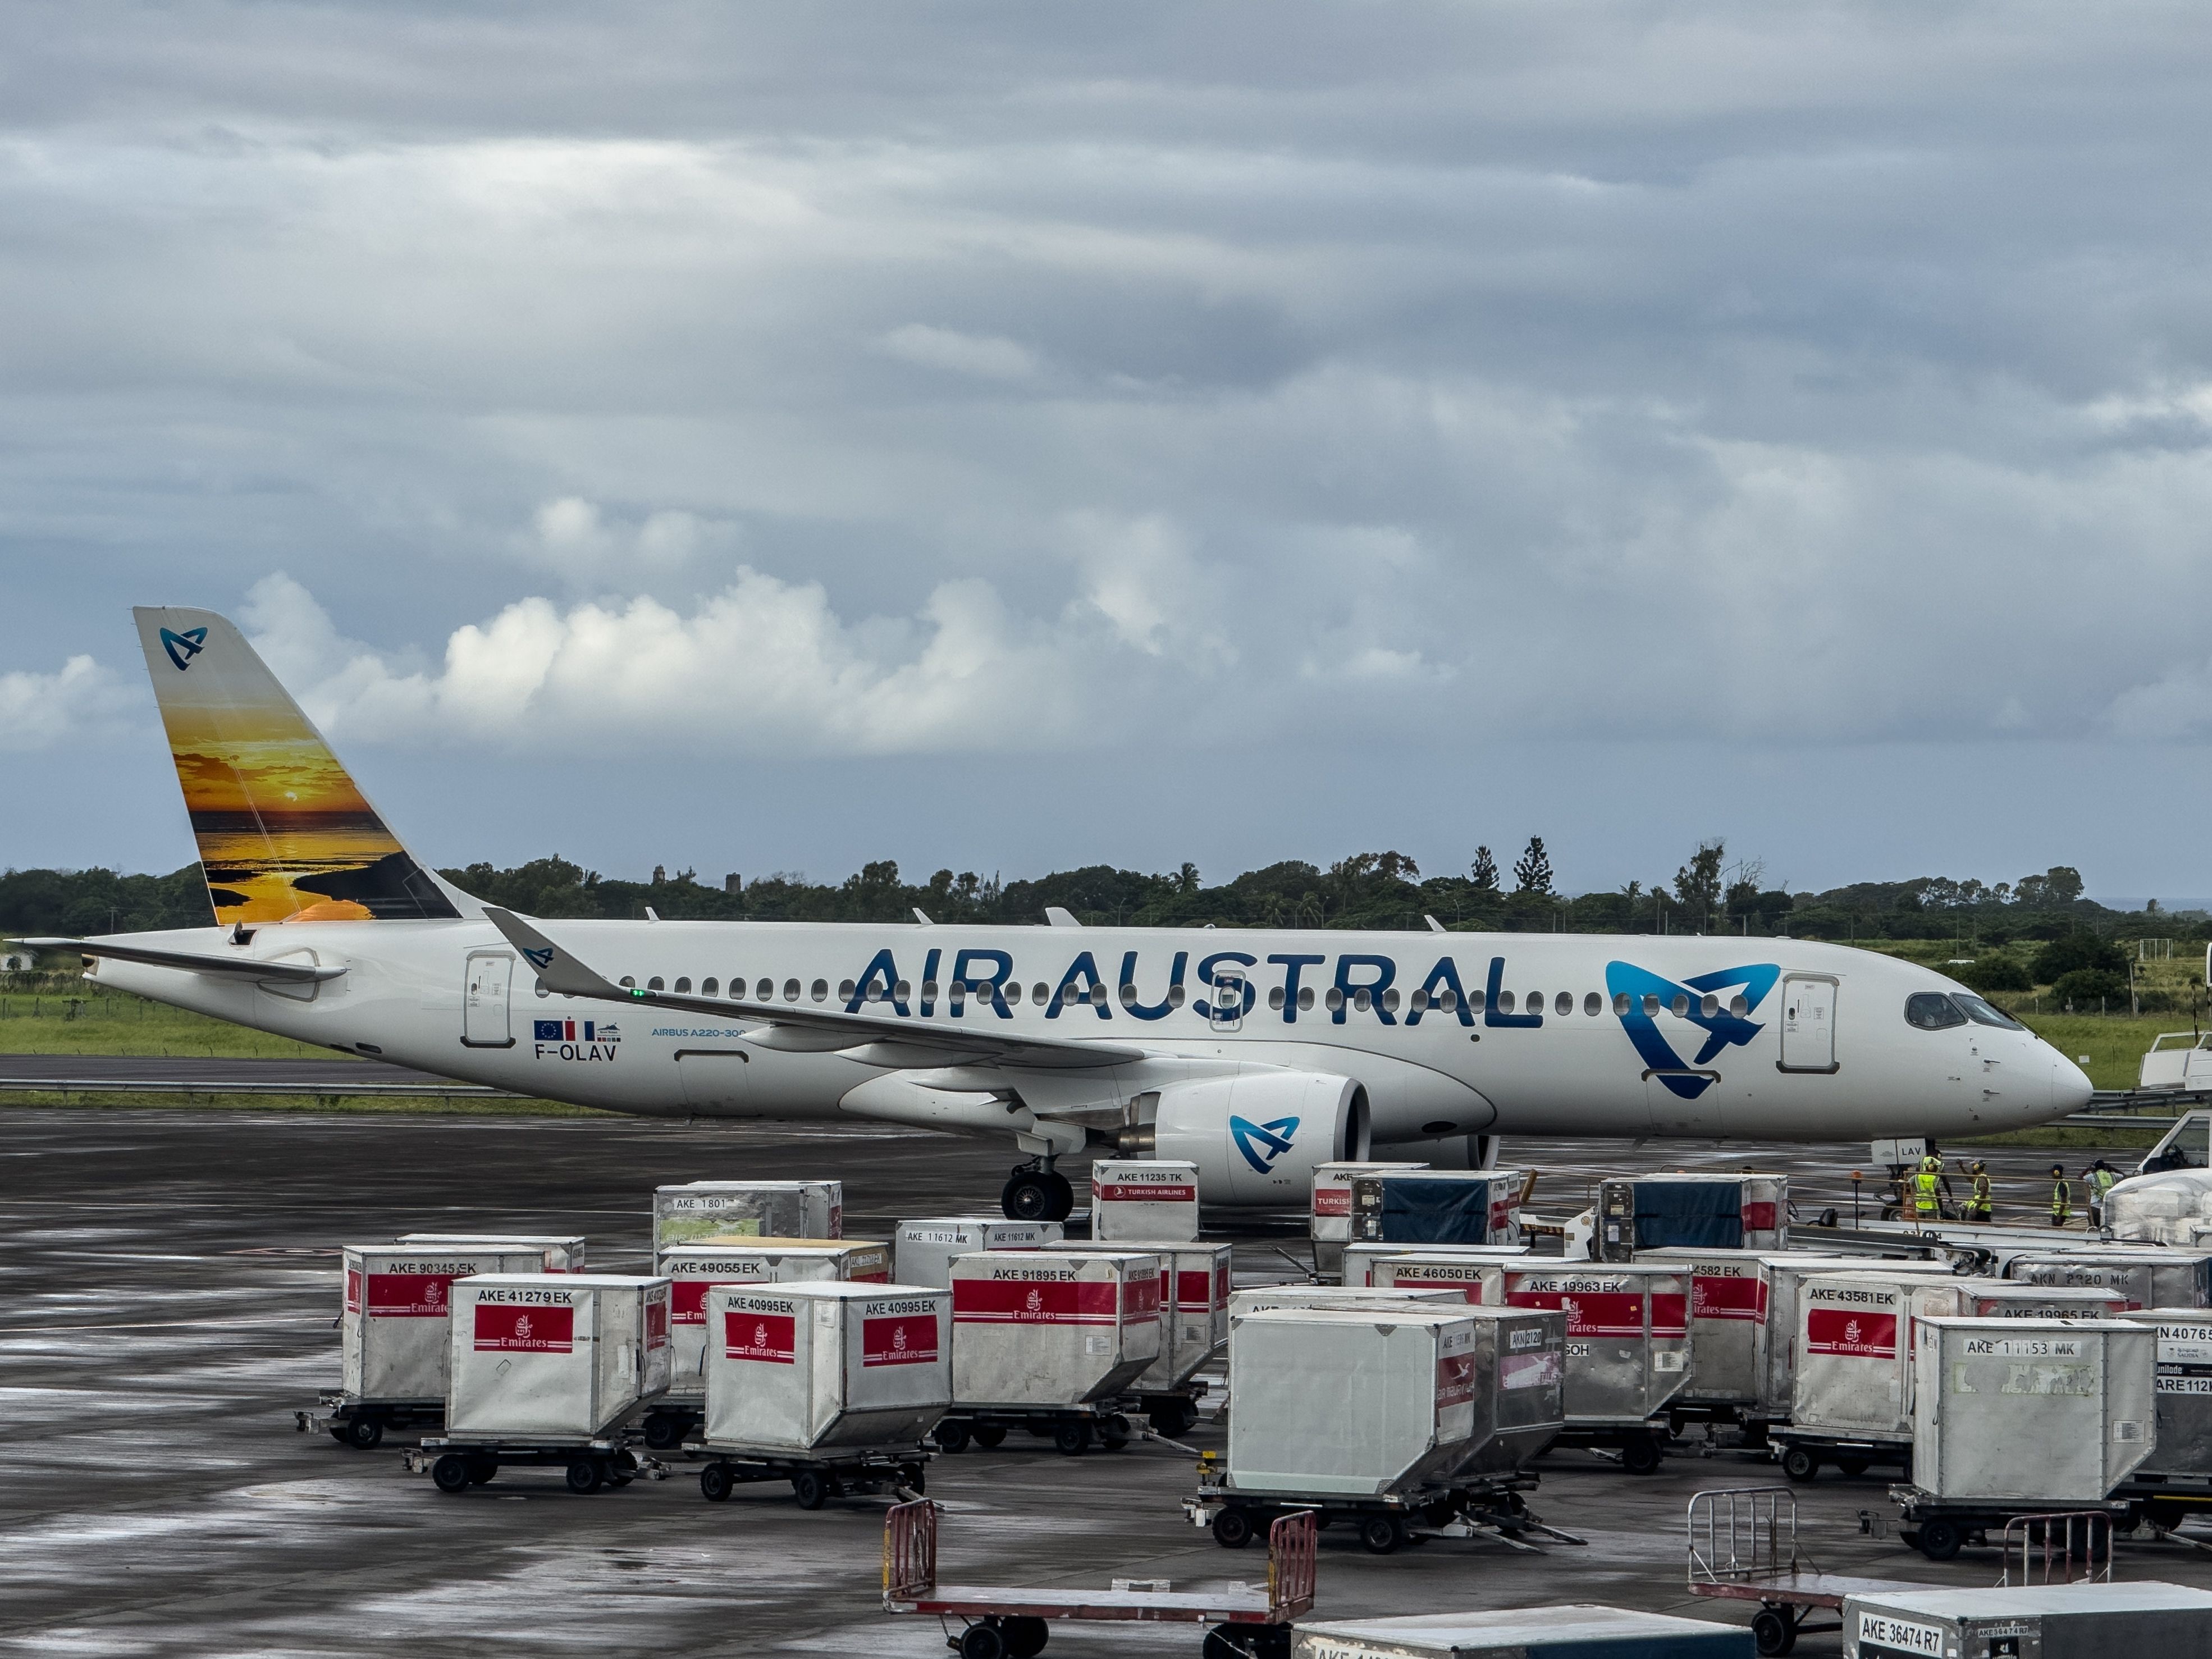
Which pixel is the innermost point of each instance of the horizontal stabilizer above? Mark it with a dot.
(230, 966)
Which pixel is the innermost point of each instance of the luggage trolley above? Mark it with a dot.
(1938, 1527)
(605, 1461)
(1249, 1621)
(1743, 1547)
(815, 1477)
(1483, 1506)
(1072, 1429)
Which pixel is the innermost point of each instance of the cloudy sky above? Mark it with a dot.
(1011, 436)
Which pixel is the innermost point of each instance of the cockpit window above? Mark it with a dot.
(1932, 1011)
(1983, 1014)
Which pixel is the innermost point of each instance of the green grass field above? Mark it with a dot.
(44, 1022)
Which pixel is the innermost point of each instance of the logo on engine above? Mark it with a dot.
(1263, 1143)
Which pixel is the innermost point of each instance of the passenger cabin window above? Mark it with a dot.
(1593, 1005)
(1275, 999)
(765, 991)
(844, 989)
(654, 984)
(1446, 1000)
(1564, 1003)
(1738, 1006)
(1932, 1011)
(791, 990)
(628, 983)
(1983, 1014)
(709, 986)
(684, 985)
(1505, 1002)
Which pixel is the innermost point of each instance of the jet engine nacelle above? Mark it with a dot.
(1257, 1137)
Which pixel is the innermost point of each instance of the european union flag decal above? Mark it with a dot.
(548, 1030)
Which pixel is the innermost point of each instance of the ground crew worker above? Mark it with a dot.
(2062, 1197)
(1977, 1202)
(1925, 1207)
(2102, 1177)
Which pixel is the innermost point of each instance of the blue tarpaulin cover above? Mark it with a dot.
(1422, 1210)
(1672, 1213)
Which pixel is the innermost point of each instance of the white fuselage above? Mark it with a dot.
(1822, 1050)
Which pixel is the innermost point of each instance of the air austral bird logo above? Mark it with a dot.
(1648, 995)
(1263, 1143)
(183, 648)
(539, 959)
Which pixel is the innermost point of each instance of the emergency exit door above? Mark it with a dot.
(1808, 1023)
(483, 1000)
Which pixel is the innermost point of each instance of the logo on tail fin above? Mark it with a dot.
(183, 648)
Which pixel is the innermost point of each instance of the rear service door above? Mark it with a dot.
(1808, 1023)
(483, 1000)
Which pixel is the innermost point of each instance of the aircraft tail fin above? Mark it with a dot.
(284, 833)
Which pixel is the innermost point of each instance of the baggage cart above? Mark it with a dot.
(1852, 1404)
(1491, 1506)
(1147, 1198)
(816, 1477)
(1711, 1212)
(1072, 1429)
(1328, 1221)
(1014, 1621)
(1436, 1206)
(554, 1359)
(2175, 1481)
(1743, 1547)
(1939, 1528)
(923, 1250)
(1627, 1353)
(1195, 1293)
(457, 1462)
(754, 1209)
(1051, 1342)
(1730, 1291)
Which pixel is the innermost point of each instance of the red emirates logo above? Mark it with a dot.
(434, 1292)
(1036, 1302)
(760, 1336)
(898, 1340)
(522, 1329)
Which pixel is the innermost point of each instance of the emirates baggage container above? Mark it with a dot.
(1999, 1299)
(1329, 1220)
(2148, 1278)
(751, 1209)
(2176, 1480)
(543, 1358)
(1730, 1290)
(1436, 1206)
(1559, 1632)
(1852, 1404)
(1743, 1211)
(1476, 1280)
(2085, 1620)
(923, 1250)
(1144, 1197)
(1360, 1259)
(1195, 1288)
(805, 1367)
(2026, 1412)
(563, 1252)
(1627, 1353)
(1052, 1328)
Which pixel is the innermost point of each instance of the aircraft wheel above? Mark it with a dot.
(1030, 1196)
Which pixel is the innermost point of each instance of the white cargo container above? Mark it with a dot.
(1329, 1220)
(1426, 1207)
(1573, 1631)
(1854, 1338)
(1151, 1199)
(559, 1357)
(1475, 1279)
(923, 1250)
(563, 1252)
(2169, 1207)
(1050, 1328)
(393, 1338)
(1360, 1258)
(807, 1367)
(1194, 1286)
(1997, 1299)
(691, 1268)
(1335, 1402)
(2181, 1464)
(1338, 1296)
(1686, 1211)
(2022, 1412)
(2147, 1278)
(751, 1209)
(1627, 1338)
(1730, 1290)
(2085, 1620)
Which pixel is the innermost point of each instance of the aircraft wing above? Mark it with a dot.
(873, 1039)
(230, 966)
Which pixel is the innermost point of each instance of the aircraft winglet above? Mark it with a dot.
(558, 970)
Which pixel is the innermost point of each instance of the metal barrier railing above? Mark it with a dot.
(1293, 1546)
(2059, 1544)
(911, 1551)
(1743, 1532)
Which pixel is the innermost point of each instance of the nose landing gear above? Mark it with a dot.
(1037, 1192)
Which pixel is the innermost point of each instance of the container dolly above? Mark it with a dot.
(1743, 1547)
(1493, 1506)
(360, 1423)
(1801, 1451)
(1072, 1429)
(1938, 1527)
(1641, 1445)
(1012, 1622)
(457, 1464)
(815, 1478)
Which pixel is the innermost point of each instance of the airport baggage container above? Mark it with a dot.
(2175, 1481)
(1329, 1220)
(2029, 1413)
(394, 1349)
(1476, 1280)
(564, 1252)
(1570, 1632)
(1628, 1353)
(2147, 1278)
(1436, 1206)
(1730, 1290)
(1854, 1371)
(793, 1261)
(1195, 1288)
(554, 1357)
(827, 1381)
(754, 1209)
(1997, 1299)
(1358, 1260)
(2170, 1207)
(1259, 1299)
(922, 1250)
(1743, 1211)
(2081, 1621)
(1153, 1199)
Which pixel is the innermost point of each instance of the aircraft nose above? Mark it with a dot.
(2070, 1087)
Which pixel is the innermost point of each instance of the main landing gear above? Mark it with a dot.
(1037, 1192)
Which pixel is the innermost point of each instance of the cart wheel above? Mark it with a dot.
(1223, 1642)
(1116, 1433)
(1772, 1630)
(1640, 1456)
(1232, 1529)
(363, 1433)
(983, 1641)
(1853, 1468)
(953, 1437)
(2165, 1514)
(715, 1482)
(481, 1470)
(990, 1436)
(1382, 1534)
(1939, 1538)
(663, 1433)
(1072, 1437)
(811, 1488)
(337, 1432)
(1026, 1636)
(1800, 1466)
(585, 1475)
(914, 1478)
(451, 1472)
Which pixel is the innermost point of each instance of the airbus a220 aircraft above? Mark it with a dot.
(1254, 1055)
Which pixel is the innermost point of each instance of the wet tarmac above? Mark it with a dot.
(167, 1290)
